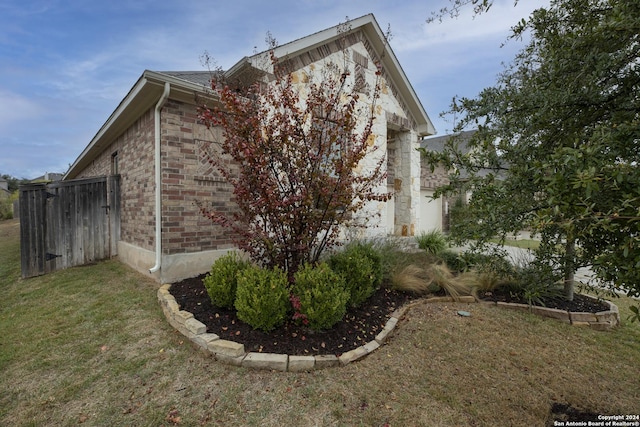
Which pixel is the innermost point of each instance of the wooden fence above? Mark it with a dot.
(68, 223)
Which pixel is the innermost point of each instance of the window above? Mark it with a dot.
(114, 163)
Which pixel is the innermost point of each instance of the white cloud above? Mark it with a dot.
(16, 109)
(467, 29)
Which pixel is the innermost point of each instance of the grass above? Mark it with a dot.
(90, 345)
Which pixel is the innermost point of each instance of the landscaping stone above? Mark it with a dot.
(326, 361)
(229, 360)
(392, 322)
(439, 299)
(554, 313)
(172, 306)
(580, 317)
(163, 292)
(272, 361)
(226, 348)
(383, 334)
(371, 346)
(301, 363)
(182, 316)
(398, 313)
(204, 339)
(353, 355)
(195, 326)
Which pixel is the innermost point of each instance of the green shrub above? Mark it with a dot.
(485, 263)
(320, 296)
(534, 282)
(262, 298)
(455, 261)
(361, 270)
(374, 255)
(432, 242)
(390, 258)
(6, 209)
(222, 281)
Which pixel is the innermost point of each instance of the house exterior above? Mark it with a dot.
(49, 177)
(155, 142)
(4, 189)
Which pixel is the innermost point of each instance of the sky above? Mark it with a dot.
(66, 64)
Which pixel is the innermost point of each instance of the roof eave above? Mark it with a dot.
(142, 96)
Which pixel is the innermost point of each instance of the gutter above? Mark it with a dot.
(158, 177)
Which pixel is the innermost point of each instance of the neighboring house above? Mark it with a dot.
(439, 176)
(155, 141)
(4, 189)
(49, 177)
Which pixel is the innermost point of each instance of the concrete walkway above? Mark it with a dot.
(584, 276)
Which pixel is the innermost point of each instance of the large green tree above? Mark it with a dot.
(558, 142)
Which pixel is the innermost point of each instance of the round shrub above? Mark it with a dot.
(361, 270)
(369, 251)
(222, 281)
(262, 298)
(321, 296)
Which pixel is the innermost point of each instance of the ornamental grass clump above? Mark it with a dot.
(433, 278)
(222, 281)
(321, 296)
(262, 297)
(433, 242)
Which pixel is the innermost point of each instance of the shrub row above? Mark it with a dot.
(319, 296)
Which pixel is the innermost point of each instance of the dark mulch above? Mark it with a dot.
(358, 327)
(580, 302)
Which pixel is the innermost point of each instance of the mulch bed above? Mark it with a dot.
(358, 327)
(580, 302)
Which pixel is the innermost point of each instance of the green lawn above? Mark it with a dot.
(90, 346)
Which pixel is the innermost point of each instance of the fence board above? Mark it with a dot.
(68, 223)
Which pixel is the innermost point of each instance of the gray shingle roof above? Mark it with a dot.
(198, 77)
(437, 143)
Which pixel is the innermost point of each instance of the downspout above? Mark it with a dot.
(158, 177)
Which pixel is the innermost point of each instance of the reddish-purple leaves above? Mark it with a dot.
(290, 156)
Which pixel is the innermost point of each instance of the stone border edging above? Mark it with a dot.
(233, 353)
(601, 321)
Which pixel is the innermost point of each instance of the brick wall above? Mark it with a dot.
(135, 148)
(187, 178)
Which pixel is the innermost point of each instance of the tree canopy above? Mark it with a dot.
(560, 135)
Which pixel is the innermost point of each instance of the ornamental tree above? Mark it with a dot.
(292, 149)
(557, 145)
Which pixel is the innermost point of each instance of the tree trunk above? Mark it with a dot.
(569, 266)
